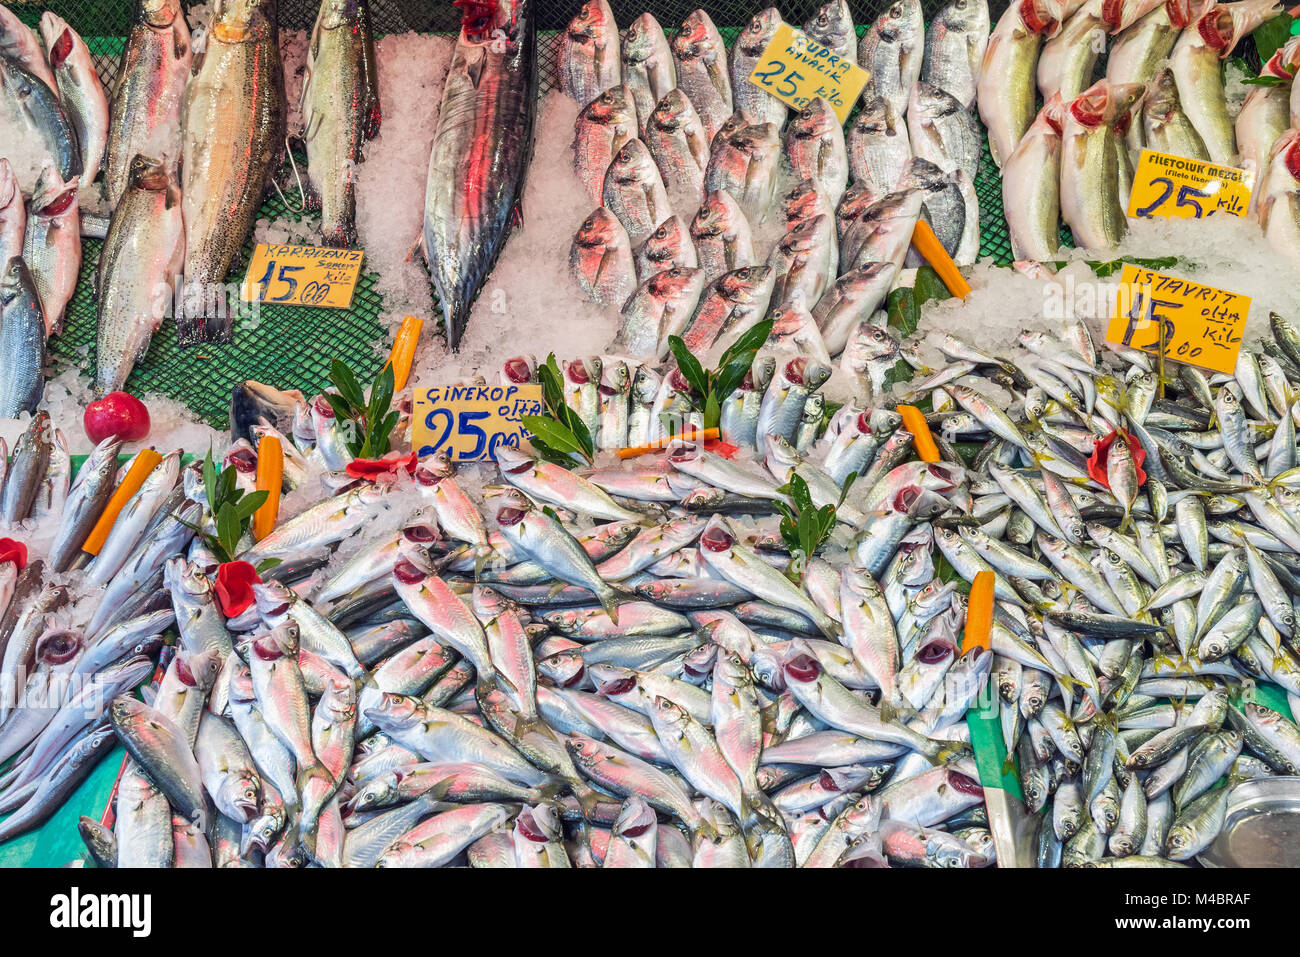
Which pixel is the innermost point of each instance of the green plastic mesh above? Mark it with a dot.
(291, 346)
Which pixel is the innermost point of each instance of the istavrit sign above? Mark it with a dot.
(1200, 325)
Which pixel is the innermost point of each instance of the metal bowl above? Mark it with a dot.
(1261, 828)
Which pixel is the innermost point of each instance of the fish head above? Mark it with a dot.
(717, 215)
(667, 241)
(380, 791)
(673, 111)
(814, 121)
(764, 367)
(1161, 101)
(781, 459)
(717, 537)
(565, 669)
(600, 230)
(799, 666)
(511, 461)
(757, 139)
(58, 38)
(198, 669)
(523, 369)
(857, 199)
(615, 106)
(932, 103)
(1044, 16)
(243, 791)
(396, 711)
(613, 681)
(590, 21)
(338, 702)
(273, 599)
(584, 750)
(729, 668)
(961, 15)
(157, 13)
(830, 21)
(695, 38)
(877, 117)
(643, 38)
(636, 818)
(399, 854)
(538, 824)
(645, 385)
(805, 199)
(615, 378)
(758, 33)
(668, 712)
(147, 173)
(903, 20)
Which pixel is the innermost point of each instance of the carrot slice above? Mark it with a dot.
(928, 245)
(403, 355)
(144, 463)
(979, 613)
(693, 435)
(270, 479)
(914, 422)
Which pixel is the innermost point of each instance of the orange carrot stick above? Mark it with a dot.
(403, 354)
(144, 463)
(928, 245)
(270, 479)
(914, 422)
(979, 613)
(694, 435)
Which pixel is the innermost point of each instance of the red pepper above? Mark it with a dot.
(1100, 452)
(372, 470)
(719, 447)
(12, 550)
(234, 587)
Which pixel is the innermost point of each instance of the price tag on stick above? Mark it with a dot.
(302, 276)
(1183, 188)
(1196, 324)
(472, 421)
(796, 69)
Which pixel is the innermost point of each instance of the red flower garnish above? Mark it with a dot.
(12, 550)
(1100, 453)
(234, 588)
(372, 470)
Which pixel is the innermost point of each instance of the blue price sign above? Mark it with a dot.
(472, 421)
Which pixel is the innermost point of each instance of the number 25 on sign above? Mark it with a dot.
(1196, 324)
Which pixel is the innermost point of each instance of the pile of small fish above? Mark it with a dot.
(687, 159)
(1163, 88)
(188, 144)
(611, 666)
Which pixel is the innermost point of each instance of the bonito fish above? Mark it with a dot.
(480, 153)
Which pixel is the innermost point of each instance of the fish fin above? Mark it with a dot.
(420, 247)
(1008, 764)
(950, 751)
(587, 801)
(365, 679)
(306, 774)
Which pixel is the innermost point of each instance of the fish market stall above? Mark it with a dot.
(542, 433)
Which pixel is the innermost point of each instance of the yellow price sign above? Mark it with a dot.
(1182, 188)
(472, 421)
(302, 276)
(797, 69)
(1202, 325)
